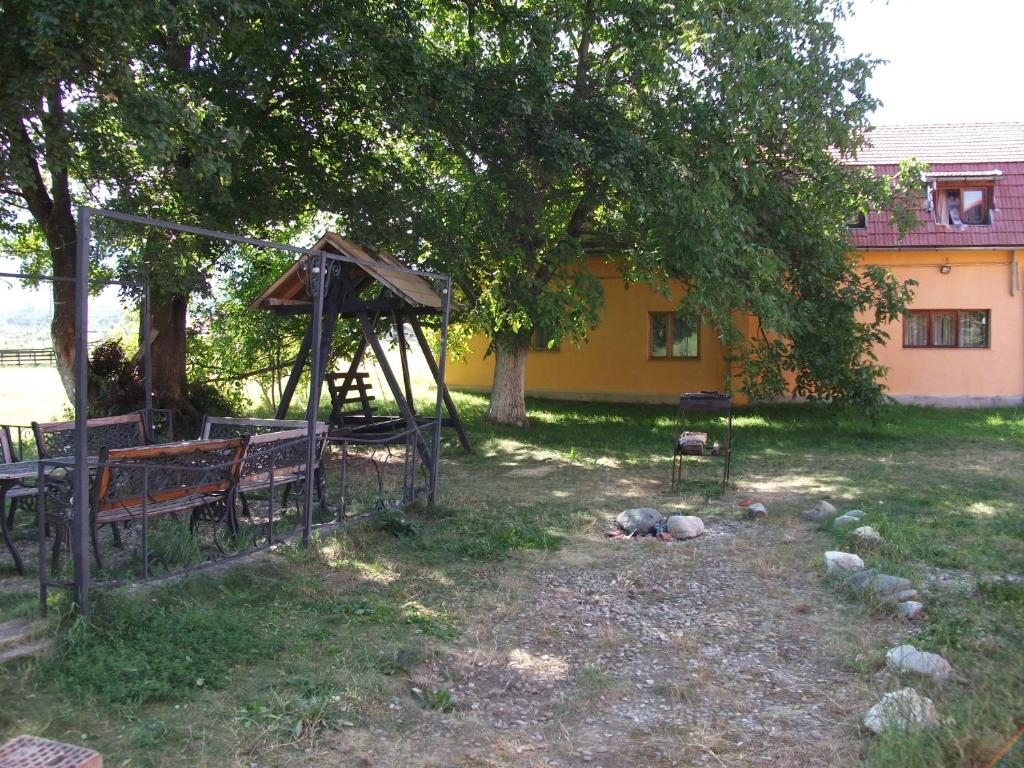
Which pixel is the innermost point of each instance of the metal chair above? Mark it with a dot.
(18, 491)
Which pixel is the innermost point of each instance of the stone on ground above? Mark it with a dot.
(819, 513)
(866, 536)
(911, 609)
(842, 562)
(757, 510)
(685, 526)
(640, 520)
(847, 518)
(880, 583)
(906, 595)
(904, 709)
(906, 658)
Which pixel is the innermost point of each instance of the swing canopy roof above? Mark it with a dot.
(365, 267)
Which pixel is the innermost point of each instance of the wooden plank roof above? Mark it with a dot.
(364, 267)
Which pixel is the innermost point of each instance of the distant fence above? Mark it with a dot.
(40, 357)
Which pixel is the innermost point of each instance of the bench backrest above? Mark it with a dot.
(57, 438)
(220, 427)
(351, 398)
(283, 452)
(7, 455)
(165, 473)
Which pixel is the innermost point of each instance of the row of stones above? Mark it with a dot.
(645, 521)
(906, 708)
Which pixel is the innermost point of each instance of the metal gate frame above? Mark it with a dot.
(80, 514)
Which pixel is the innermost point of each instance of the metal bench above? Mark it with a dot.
(132, 484)
(274, 460)
(290, 465)
(56, 439)
(217, 427)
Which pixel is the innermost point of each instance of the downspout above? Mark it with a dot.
(1014, 285)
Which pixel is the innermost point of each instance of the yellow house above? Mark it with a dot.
(961, 342)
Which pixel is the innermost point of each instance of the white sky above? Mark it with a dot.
(956, 61)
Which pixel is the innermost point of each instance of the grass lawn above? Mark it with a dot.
(267, 663)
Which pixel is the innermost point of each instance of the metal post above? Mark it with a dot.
(442, 354)
(145, 522)
(147, 360)
(80, 503)
(41, 534)
(313, 407)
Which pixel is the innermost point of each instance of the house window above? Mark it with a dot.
(963, 328)
(544, 341)
(963, 206)
(672, 336)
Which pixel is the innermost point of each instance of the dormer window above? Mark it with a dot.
(961, 200)
(857, 220)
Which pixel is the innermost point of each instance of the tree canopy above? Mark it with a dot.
(502, 142)
(701, 142)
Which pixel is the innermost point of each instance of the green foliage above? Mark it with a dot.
(435, 698)
(131, 652)
(116, 380)
(302, 710)
(395, 523)
(539, 134)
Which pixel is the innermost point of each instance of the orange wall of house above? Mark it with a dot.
(613, 363)
(976, 280)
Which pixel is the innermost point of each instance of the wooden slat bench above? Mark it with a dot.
(217, 427)
(351, 401)
(274, 460)
(156, 481)
(259, 433)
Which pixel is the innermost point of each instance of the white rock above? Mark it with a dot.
(757, 510)
(911, 609)
(906, 658)
(842, 562)
(845, 520)
(819, 513)
(685, 526)
(856, 514)
(867, 536)
(905, 709)
(641, 520)
(882, 584)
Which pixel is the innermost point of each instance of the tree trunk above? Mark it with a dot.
(61, 232)
(168, 354)
(508, 392)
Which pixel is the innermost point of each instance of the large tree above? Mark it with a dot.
(701, 142)
(240, 115)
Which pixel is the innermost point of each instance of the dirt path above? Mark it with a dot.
(728, 651)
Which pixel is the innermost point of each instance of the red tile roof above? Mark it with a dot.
(948, 149)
